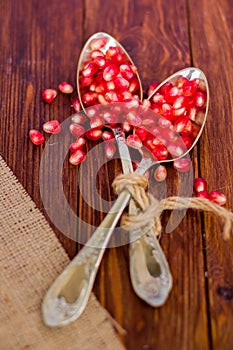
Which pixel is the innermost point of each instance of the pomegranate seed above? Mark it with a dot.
(102, 100)
(181, 123)
(98, 43)
(78, 118)
(89, 69)
(112, 52)
(100, 61)
(166, 88)
(167, 111)
(131, 103)
(110, 85)
(179, 102)
(134, 119)
(110, 119)
(126, 95)
(78, 144)
(76, 105)
(182, 165)
(52, 127)
(192, 114)
(36, 137)
(200, 184)
(172, 94)
(96, 53)
(110, 72)
(160, 152)
(49, 95)
(189, 88)
(141, 133)
(146, 104)
(111, 96)
(217, 197)
(91, 112)
(199, 119)
(180, 81)
(65, 88)
(96, 122)
(126, 127)
(164, 123)
(89, 98)
(187, 140)
(158, 98)
(92, 87)
(94, 134)
(110, 149)
(175, 149)
(107, 135)
(134, 141)
(160, 173)
(179, 112)
(77, 157)
(134, 85)
(148, 122)
(77, 130)
(152, 87)
(199, 99)
(121, 83)
(101, 88)
(126, 71)
(203, 194)
(86, 81)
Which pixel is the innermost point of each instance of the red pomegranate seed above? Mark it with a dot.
(141, 133)
(110, 85)
(112, 52)
(65, 88)
(187, 140)
(77, 157)
(98, 43)
(36, 137)
(92, 87)
(77, 130)
(217, 197)
(134, 119)
(94, 134)
(78, 144)
(166, 88)
(179, 112)
(96, 122)
(121, 83)
(126, 71)
(152, 87)
(199, 99)
(167, 111)
(126, 127)
(52, 127)
(134, 141)
(108, 136)
(76, 104)
(99, 61)
(102, 100)
(49, 95)
(110, 149)
(192, 113)
(89, 69)
(96, 53)
(203, 194)
(175, 149)
(160, 173)
(158, 98)
(200, 184)
(110, 119)
(172, 94)
(110, 72)
(160, 152)
(179, 102)
(180, 81)
(112, 96)
(86, 81)
(182, 165)
(189, 88)
(78, 118)
(131, 104)
(89, 98)
(134, 85)
(126, 95)
(181, 123)
(199, 119)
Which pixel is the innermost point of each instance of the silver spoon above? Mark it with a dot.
(151, 257)
(67, 297)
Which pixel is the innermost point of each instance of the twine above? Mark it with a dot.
(151, 208)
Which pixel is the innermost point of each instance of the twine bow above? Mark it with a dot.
(151, 208)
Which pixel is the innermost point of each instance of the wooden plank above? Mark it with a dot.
(155, 33)
(40, 43)
(211, 37)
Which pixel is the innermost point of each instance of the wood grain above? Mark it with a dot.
(41, 43)
(211, 36)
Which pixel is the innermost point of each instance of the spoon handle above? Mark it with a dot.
(68, 296)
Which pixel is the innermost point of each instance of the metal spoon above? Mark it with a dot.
(67, 297)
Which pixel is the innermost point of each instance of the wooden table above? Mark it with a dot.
(40, 45)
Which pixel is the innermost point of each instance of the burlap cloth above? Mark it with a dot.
(30, 259)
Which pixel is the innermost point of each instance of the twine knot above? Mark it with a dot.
(151, 208)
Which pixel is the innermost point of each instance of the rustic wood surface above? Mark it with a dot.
(40, 45)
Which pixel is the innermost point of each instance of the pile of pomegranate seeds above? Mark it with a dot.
(200, 186)
(108, 75)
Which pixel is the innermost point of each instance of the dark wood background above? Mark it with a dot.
(40, 45)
